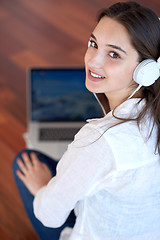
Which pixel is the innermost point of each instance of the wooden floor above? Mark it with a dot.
(34, 33)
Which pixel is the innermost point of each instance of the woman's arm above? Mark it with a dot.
(80, 173)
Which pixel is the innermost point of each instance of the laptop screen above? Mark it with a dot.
(60, 95)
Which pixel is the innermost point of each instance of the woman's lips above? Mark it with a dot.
(95, 77)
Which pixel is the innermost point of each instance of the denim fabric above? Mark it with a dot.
(44, 233)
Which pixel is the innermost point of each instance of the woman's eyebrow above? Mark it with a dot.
(92, 35)
(111, 45)
(116, 47)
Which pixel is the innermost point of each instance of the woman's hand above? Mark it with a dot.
(34, 174)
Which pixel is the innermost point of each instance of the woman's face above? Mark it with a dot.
(110, 60)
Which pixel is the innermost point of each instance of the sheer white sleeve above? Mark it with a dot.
(80, 173)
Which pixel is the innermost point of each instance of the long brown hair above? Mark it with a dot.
(143, 26)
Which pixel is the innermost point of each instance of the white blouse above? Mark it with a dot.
(110, 178)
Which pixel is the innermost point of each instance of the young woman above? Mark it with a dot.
(110, 174)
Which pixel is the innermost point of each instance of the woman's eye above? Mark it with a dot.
(114, 55)
(92, 43)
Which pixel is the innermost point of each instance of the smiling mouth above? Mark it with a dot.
(95, 76)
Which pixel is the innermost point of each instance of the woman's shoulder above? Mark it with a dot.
(113, 121)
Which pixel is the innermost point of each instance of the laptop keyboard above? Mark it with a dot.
(60, 134)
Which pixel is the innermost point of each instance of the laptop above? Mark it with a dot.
(58, 106)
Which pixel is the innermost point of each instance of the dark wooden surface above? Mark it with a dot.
(34, 33)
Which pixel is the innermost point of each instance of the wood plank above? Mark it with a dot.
(11, 209)
(8, 130)
(14, 76)
(3, 235)
(27, 59)
(13, 104)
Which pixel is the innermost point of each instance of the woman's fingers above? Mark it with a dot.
(20, 175)
(25, 164)
(22, 166)
(27, 160)
(34, 158)
(32, 172)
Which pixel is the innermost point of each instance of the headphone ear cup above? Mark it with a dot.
(146, 73)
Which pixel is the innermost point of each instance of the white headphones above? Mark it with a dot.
(147, 72)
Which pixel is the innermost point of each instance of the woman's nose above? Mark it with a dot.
(96, 61)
